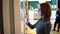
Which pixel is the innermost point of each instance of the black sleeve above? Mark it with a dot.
(33, 26)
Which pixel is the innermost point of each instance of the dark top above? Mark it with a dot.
(42, 27)
(58, 17)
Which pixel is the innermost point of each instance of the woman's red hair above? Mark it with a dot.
(45, 11)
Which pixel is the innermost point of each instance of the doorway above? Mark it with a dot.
(1, 18)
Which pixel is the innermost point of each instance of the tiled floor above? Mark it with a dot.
(54, 32)
(32, 31)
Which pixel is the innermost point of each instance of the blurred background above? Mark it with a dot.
(30, 8)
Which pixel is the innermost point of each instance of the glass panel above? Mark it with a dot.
(33, 13)
(22, 13)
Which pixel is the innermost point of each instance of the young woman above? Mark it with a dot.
(43, 26)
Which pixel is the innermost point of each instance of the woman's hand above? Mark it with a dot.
(26, 18)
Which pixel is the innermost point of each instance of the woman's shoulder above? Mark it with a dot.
(47, 23)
